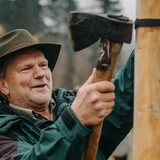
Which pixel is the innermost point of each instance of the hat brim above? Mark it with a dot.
(50, 50)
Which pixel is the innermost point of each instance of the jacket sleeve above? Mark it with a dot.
(118, 124)
(63, 140)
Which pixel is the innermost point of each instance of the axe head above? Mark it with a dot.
(86, 28)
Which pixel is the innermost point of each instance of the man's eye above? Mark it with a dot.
(24, 69)
(44, 65)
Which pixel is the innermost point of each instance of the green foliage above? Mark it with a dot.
(56, 11)
(21, 14)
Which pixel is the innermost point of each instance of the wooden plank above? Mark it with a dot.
(146, 137)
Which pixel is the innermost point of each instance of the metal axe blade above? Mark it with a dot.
(86, 29)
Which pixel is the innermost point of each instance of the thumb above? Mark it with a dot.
(91, 77)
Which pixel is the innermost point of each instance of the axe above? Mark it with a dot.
(112, 30)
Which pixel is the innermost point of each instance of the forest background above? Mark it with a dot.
(47, 20)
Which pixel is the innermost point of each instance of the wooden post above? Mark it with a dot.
(146, 133)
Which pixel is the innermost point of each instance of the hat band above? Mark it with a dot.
(19, 46)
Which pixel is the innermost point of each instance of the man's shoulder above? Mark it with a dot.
(61, 92)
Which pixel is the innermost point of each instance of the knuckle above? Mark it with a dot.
(113, 95)
(112, 103)
(113, 86)
(88, 90)
(94, 98)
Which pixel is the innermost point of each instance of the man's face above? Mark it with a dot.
(28, 81)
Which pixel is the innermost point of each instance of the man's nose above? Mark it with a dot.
(38, 72)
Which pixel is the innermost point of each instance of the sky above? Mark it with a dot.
(129, 8)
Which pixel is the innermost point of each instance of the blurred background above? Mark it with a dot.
(47, 20)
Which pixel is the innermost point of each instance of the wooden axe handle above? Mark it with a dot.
(107, 58)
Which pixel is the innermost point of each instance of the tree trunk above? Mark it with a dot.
(146, 138)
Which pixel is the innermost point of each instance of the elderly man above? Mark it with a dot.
(38, 122)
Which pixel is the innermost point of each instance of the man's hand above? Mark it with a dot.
(94, 101)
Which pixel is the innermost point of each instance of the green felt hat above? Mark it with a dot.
(19, 39)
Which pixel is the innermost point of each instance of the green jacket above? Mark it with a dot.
(23, 138)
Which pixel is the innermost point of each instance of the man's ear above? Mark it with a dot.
(4, 87)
